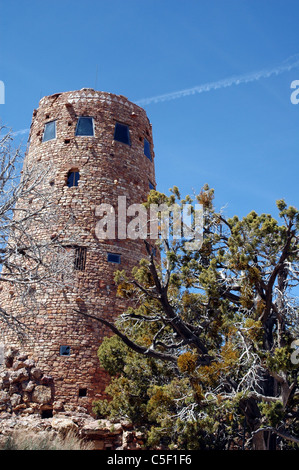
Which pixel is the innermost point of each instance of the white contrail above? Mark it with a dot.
(21, 132)
(289, 64)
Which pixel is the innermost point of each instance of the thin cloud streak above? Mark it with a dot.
(21, 132)
(289, 64)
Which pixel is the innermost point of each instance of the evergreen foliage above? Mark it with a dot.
(202, 358)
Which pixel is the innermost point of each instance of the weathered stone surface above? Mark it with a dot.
(42, 394)
(102, 433)
(21, 357)
(9, 356)
(15, 399)
(46, 379)
(28, 386)
(4, 397)
(19, 365)
(29, 363)
(36, 373)
(58, 406)
(4, 380)
(19, 375)
(63, 425)
(18, 394)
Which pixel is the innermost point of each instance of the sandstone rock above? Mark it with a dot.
(29, 363)
(19, 407)
(19, 376)
(63, 425)
(4, 397)
(21, 357)
(36, 373)
(90, 428)
(28, 386)
(102, 433)
(28, 411)
(58, 406)
(101, 427)
(46, 379)
(9, 357)
(15, 400)
(42, 394)
(18, 365)
(4, 380)
(26, 397)
(13, 388)
(5, 415)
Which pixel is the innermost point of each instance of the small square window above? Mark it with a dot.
(47, 413)
(80, 258)
(85, 126)
(65, 350)
(113, 258)
(49, 131)
(122, 133)
(82, 392)
(73, 178)
(147, 149)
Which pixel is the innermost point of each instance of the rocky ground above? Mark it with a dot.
(102, 434)
(27, 406)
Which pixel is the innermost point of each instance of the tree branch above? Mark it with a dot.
(137, 348)
(284, 435)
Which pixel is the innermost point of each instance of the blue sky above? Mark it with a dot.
(242, 140)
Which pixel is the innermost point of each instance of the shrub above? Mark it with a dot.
(21, 440)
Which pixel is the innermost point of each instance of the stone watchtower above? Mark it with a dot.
(99, 146)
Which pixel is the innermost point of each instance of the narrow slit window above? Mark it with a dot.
(85, 126)
(80, 258)
(73, 178)
(113, 258)
(147, 149)
(65, 350)
(122, 133)
(49, 131)
(150, 185)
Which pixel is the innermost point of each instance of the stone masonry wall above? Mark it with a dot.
(108, 169)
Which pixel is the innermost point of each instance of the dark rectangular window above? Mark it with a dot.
(147, 149)
(80, 258)
(82, 392)
(85, 126)
(49, 131)
(47, 413)
(122, 133)
(113, 258)
(73, 178)
(65, 351)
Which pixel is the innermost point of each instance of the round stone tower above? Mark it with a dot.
(98, 146)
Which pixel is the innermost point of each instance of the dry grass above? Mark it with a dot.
(21, 440)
